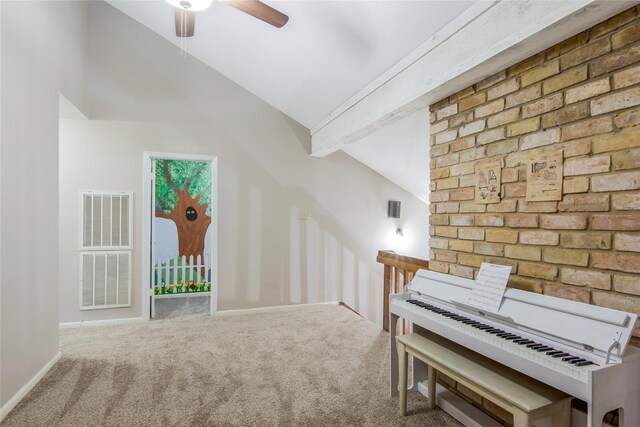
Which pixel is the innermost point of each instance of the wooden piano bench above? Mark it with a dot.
(527, 399)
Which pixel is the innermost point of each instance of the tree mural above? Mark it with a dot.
(183, 192)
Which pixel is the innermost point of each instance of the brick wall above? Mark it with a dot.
(581, 96)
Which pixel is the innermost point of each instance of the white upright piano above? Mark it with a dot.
(578, 348)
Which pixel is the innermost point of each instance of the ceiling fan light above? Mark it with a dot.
(191, 5)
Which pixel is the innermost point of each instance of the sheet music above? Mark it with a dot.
(489, 287)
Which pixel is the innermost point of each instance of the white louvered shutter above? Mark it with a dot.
(106, 221)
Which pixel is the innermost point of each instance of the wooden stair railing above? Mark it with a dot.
(398, 271)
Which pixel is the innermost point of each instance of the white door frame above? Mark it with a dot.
(147, 217)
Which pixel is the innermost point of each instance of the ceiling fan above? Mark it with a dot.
(185, 13)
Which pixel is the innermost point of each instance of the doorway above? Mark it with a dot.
(180, 232)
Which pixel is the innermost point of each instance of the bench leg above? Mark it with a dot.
(562, 418)
(402, 380)
(522, 419)
(432, 386)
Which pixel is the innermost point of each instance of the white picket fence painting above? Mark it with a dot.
(179, 275)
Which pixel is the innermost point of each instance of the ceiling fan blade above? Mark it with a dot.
(259, 10)
(190, 23)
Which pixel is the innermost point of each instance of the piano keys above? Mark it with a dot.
(577, 348)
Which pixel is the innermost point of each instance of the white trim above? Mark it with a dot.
(11, 403)
(275, 308)
(107, 322)
(147, 201)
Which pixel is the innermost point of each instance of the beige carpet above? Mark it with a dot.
(313, 366)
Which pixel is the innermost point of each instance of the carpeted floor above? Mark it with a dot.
(301, 367)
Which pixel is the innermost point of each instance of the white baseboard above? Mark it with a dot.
(275, 308)
(4, 411)
(92, 323)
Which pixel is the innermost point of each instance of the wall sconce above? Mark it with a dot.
(399, 232)
(393, 210)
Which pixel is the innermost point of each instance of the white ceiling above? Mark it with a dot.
(325, 53)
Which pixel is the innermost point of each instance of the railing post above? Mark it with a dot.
(388, 274)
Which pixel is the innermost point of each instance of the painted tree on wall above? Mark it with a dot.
(183, 193)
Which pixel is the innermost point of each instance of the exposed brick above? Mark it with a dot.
(470, 207)
(462, 194)
(628, 77)
(567, 45)
(490, 81)
(575, 185)
(587, 165)
(503, 118)
(627, 138)
(626, 36)
(462, 169)
(616, 101)
(447, 111)
(472, 101)
(439, 150)
(525, 284)
(627, 284)
(446, 256)
(503, 89)
(442, 208)
(525, 95)
(447, 160)
(473, 127)
(439, 173)
(503, 206)
(462, 220)
(615, 261)
(489, 220)
(490, 136)
(565, 79)
(539, 237)
(522, 221)
(616, 181)
(517, 189)
(468, 181)
(461, 245)
(586, 240)
(447, 183)
(523, 126)
(525, 65)
(462, 94)
(541, 271)
(439, 127)
(624, 222)
(461, 271)
(566, 256)
(524, 206)
(585, 53)
(540, 73)
(441, 267)
(510, 174)
(591, 279)
(539, 139)
(492, 249)
(530, 253)
(543, 105)
(566, 115)
(471, 234)
(438, 219)
(618, 302)
(490, 108)
(448, 136)
(618, 59)
(502, 147)
(627, 118)
(501, 235)
(444, 231)
(584, 203)
(626, 202)
(463, 143)
(613, 23)
(438, 243)
(586, 91)
(564, 222)
(567, 292)
(587, 128)
(470, 260)
(460, 119)
(627, 242)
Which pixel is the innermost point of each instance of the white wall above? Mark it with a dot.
(43, 52)
(143, 98)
